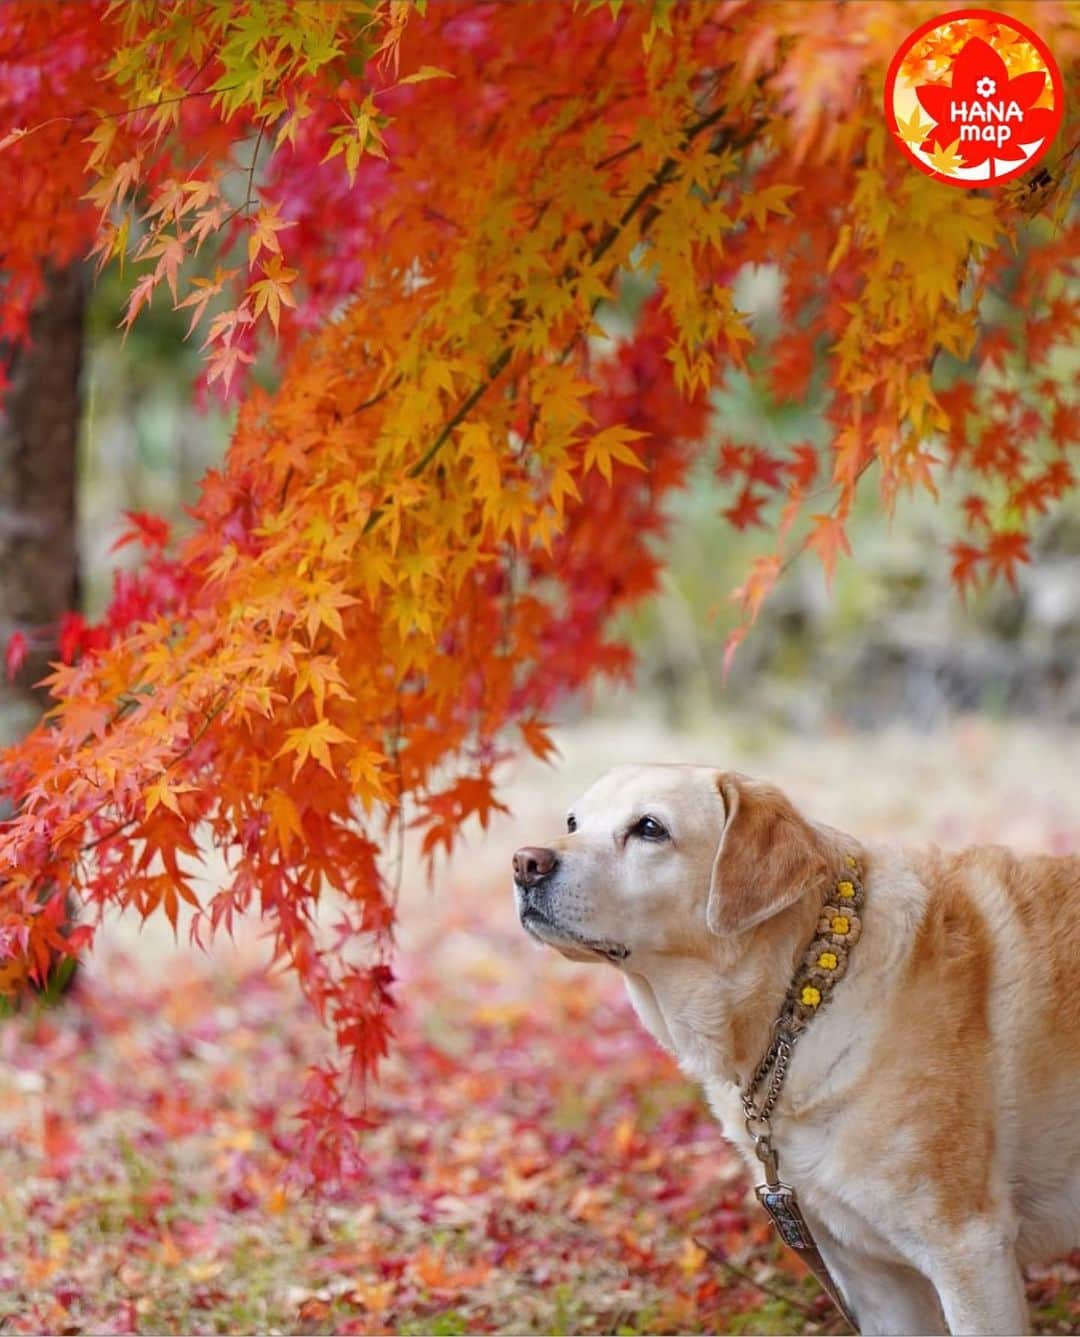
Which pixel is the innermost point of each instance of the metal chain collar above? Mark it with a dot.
(777, 1058)
(823, 963)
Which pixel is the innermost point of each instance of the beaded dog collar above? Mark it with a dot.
(826, 958)
(824, 962)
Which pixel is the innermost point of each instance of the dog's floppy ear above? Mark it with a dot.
(767, 857)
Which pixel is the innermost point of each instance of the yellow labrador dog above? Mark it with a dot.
(930, 1119)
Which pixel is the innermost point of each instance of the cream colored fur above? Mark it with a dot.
(931, 1119)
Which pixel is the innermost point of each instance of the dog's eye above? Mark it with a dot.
(648, 828)
(571, 823)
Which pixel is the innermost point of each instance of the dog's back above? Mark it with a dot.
(1033, 904)
(994, 980)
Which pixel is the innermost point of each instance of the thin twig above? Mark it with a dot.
(254, 163)
(248, 201)
(804, 542)
(719, 1261)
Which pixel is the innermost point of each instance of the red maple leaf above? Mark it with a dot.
(966, 561)
(1005, 551)
(792, 365)
(149, 530)
(70, 636)
(803, 465)
(764, 468)
(976, 510)
(1065, 425)
(15, 654)
(746, 510)
(975, 69)
(1058, 478)
(731, 463)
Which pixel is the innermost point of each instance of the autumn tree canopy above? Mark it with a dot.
(417, 542)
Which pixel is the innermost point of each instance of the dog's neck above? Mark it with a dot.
(715, 1011)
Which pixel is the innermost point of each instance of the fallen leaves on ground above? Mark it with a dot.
(538, 1165)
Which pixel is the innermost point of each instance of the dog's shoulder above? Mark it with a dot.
(990, 966)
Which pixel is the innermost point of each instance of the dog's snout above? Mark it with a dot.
(532, 864)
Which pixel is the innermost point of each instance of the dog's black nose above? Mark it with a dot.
(532, 864)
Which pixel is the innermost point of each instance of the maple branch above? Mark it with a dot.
(494, 370)
(117, 830)
(397, 732)
(1040, 187)
(804, 543)
(661, 177)
(97, 117)
(617, 156)
(664, 173)
(248, 201)
(215, 709)
(254, 164)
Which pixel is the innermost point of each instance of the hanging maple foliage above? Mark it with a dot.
(420, 537)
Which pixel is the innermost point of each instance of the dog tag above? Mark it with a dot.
(779, 1201)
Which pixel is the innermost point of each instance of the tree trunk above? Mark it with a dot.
(39, 428)
(39, 556)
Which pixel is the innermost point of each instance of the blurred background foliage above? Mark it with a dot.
(891, 641)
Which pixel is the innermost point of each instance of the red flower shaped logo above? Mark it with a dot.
(995, 105)
(984, 112)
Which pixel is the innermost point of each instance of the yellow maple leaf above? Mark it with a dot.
(365, 776)
(322, 610)
(273, 289)
(266, 226)
(946, 161)
(913, 130)
(611, 444)
(426, 72)
(284, 819)
(314, 742)
(770, 199)
(164, 791)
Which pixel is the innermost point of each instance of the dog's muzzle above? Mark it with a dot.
(533, 869)
(533, 866)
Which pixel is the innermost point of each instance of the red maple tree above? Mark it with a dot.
(417, 543)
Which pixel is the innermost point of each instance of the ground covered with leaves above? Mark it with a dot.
(537, 1165)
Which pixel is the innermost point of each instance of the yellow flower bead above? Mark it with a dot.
(846, 890)
(810, 996)
(827, 960)
(850, 861)
(841, 925)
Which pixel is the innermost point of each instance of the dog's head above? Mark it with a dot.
(665, 859)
